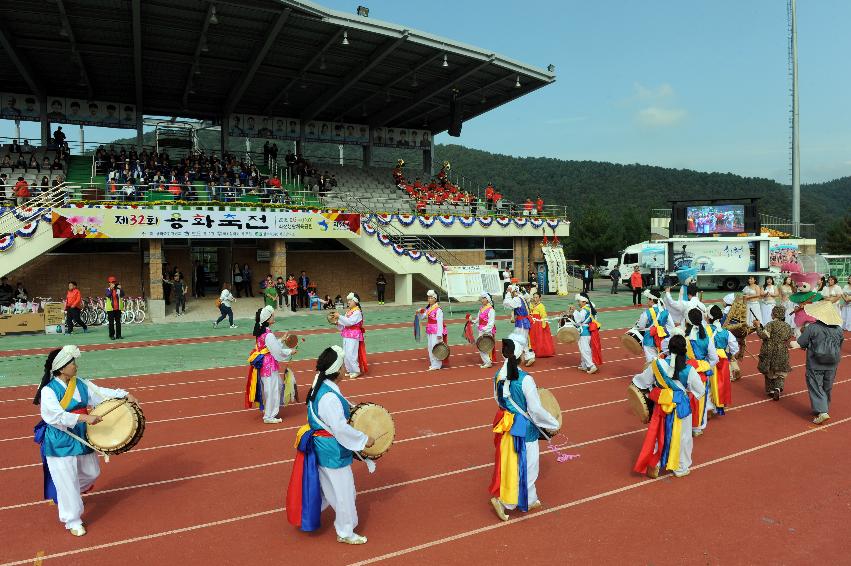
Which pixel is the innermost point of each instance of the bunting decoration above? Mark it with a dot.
(503, 221)
(369, 229)
(536, 222)
(415, 255)
(427, 221)
(446, 220)
(406, 219)
(399, 249)
(6, 242)
(467, 221)
(553, 223)
(384, 218)
(430, 258)
(28, 229)
(486, 221)
(521, 222)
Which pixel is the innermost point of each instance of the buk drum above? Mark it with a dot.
(291, 341)
(567, 334)
(377, 422)
(440, 351)
(637, 401)
(485, 343)
(120, 430)
(550, 404)
(631, 341)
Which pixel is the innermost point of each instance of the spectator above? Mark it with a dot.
(21, 293)
(380, 286)
(587, 277)
(114, 305)
(166, 287)
(179, 287)
(16, 146)
(22, 191)
(21, 163)
(506, 279)
(822, 340)
(246, 281)
(200, 279)
(6, 292)
(527, 207)
(33, 164)
(236, 275)
(45, 184)
(225, 303)
(292, 291)
(539, 206)
(636, 281)
(281, 288)
(73, 304)
(59, 138)
(270, 292)
(327, 302)
(303, 282)
(615, 276)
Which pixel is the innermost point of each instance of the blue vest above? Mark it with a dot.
(56, 442)
(721, 337)
(329, 452)
(700, 346)
(584, 329)
(522, 310)
(522, 426)
(661, 317)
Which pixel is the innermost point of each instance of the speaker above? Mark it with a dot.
(455, 112)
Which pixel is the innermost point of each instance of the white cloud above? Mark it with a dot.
(662, 92)
(656, 117)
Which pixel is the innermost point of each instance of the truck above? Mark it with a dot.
(722, 262)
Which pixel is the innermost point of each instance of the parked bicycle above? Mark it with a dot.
(135, 310)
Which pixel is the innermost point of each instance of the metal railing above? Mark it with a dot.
(55, 197)
(425, 243)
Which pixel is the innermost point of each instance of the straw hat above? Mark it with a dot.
(825, 312)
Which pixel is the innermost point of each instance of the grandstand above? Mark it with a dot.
(290, 72)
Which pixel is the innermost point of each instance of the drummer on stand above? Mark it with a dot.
(522, 324)
(324, 459)
(352, 331)
(655, 324)
(487, 327)
(518, 420)
(71, 466)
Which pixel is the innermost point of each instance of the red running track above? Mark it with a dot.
(206, 484)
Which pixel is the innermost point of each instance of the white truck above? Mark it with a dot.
(722, 262)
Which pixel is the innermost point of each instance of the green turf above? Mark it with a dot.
(25, 369)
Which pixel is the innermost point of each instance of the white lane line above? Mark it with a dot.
(444, 540)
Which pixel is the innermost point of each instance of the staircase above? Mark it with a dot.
(42, 241)
(369, 248)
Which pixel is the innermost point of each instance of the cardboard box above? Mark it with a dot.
(54, 318)
(15, 323)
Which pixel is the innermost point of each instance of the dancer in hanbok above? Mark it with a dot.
(265, 388)
(70, 467)
(486, 325)
(517, 427)
(655, 324)
(540, 333)
(322, 471)
(352, 330)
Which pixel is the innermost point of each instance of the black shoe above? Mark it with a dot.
(775, 394)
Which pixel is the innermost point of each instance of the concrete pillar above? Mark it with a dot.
(404, 288)
(427, 168)
(156, 303)
(367, 155)
(45, 124)
(278, 258)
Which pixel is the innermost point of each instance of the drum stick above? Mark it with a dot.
(123, 401)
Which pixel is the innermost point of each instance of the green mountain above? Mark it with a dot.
(609, 203)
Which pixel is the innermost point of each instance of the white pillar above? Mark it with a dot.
(404, 288)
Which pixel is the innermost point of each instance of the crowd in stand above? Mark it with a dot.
(22, 162)
(299, 168)
(224, 179)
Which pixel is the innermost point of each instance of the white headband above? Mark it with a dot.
(266, 313)
(729, 298)
(518, 344)
(581, 299)
(431, 293)
(65, 356)
(352, 297)
(338, 363)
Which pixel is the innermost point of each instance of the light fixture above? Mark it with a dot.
(363, 111)
(63, 31)
(363, 11)
(204, 47)
(517, 82)
(214, 20)
(345, 38)
(197, 71)
(551, 68)
(445, 62)
(322, 65)
(415, 83)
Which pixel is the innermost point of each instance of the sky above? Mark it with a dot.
(699, 84)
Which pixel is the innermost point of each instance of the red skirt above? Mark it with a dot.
(541, 340)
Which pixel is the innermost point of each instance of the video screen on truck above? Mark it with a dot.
(716, 219)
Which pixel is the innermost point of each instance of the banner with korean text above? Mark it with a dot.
(138, 223)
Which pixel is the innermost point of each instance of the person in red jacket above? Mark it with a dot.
(527, 207)
(73, 304)
(489, 196)
(539, 205)
(22, 191)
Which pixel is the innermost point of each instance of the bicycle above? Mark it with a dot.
(134, 311)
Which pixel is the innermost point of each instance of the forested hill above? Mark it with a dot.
(625, 194)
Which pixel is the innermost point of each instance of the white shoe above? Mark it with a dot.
(273, 421)
(234, 326)
(681, 474)
(499, 508)
(822, 417)
(537, 504)
(432, 369)
(353, 375)
(215, 325)
(487, 365)
(354, 539)
(593, 370)
(78, 531)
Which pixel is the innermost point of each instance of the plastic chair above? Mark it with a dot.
(315, 301)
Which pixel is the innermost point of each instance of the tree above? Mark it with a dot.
(838, 237)
(593, 235)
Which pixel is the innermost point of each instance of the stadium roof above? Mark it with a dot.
(206, 59)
